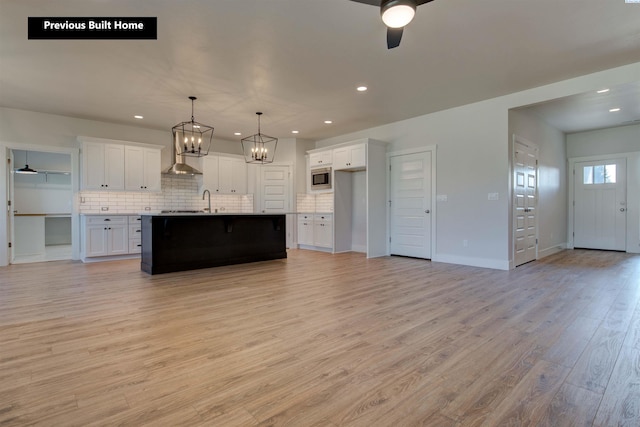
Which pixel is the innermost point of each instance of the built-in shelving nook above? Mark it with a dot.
(359, 184)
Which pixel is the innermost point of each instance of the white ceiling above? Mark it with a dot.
(300, 61)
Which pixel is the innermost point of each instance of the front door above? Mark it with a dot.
(600, 211)
(410, 211)
(525, 201)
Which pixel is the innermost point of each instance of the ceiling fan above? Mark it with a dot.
(395, 15)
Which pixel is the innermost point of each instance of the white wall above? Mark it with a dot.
(552, 179)
(473, 160)
(622, 139)
(28, 127)
(625, 142)
(359, 211)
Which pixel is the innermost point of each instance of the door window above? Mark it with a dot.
(599, 174)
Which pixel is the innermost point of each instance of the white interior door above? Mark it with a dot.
(11, 207)
(275, 194)
(525, 202)
(600, 208)
(410, 210)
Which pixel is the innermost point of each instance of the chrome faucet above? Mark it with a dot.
(209, 194)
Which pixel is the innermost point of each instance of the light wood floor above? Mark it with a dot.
(323, 340)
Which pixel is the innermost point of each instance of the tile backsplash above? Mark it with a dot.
(178, 192)
(322, 202)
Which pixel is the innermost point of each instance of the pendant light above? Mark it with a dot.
(191, 138)
(259, 148)
(26, 169)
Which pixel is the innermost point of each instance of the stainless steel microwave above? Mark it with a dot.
(321, 179)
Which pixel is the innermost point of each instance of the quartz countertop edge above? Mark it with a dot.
(156, 213)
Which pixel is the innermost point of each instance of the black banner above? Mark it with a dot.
(98, 28)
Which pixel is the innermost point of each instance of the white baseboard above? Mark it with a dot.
(495, 264)
(542, 253)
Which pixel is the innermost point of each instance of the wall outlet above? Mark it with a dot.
(82, 200)
(104, 208)
(147, 208)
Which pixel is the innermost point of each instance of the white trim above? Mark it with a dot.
(496, 264)
(571, 188)
(83, 139)
(517, 139)
(542, 253)
(433, 149)
(75, 187)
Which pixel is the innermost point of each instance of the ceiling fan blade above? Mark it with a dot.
(394, 35)
(371, 2)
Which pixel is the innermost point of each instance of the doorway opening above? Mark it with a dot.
(40, 216)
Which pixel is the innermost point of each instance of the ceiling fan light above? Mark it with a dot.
(397, 13)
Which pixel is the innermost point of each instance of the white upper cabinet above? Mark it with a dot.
(210, 174)
(232, 175)
(350, 157)
(142, 169)
(112, 165)
(320, 158)
(224, 175)
(102, 166)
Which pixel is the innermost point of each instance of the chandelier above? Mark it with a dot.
(259, 148)
(192, 138)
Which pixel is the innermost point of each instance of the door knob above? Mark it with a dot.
(621, 209)
(427, 211)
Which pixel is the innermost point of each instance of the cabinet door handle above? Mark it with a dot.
(107, 219)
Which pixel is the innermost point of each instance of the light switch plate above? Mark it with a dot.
(441, 198)
(493, 196)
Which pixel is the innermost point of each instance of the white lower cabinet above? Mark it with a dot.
(107, 236)
(323, 231)
(135, 234)
(315, 230)
(305, 229)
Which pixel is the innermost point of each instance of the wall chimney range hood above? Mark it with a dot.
(180, 167)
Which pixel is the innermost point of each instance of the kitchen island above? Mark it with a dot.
(183, 241)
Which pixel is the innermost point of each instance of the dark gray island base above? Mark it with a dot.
(188, 242)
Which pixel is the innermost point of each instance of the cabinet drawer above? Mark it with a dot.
(135, 246)
(135, 219)
(135, 231)
(98, 220)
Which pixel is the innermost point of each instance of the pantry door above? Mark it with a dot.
(525, 201)
(410, 205)
(600, 208)
(275, 193)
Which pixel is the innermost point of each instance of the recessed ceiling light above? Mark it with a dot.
(603, 91)
(614, 110)
(328, 122)
(237, 133)
(295, 131)
(138, 117)
(361, 88)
